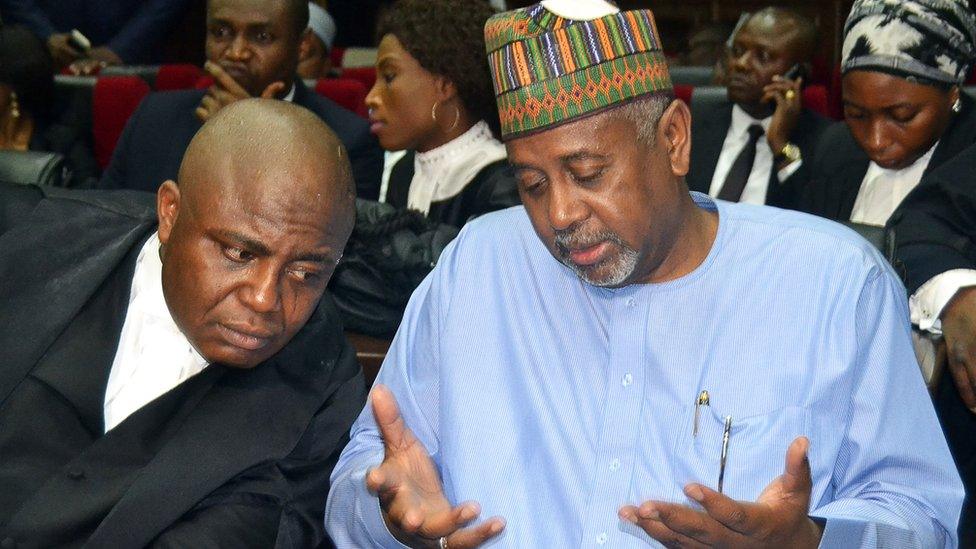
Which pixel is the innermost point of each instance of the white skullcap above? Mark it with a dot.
(322, 24)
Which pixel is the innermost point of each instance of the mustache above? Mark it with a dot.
(577, 238)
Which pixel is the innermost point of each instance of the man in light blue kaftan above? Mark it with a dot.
(621, 363)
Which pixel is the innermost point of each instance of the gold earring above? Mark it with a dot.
(433, 111)
(457, 117)
(14, 105)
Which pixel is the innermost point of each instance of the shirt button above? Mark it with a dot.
(615, 464)
(602, 538)
(630, 302)
(627, 380)
(76, 474)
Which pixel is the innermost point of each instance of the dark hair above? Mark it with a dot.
(26, 66)
(298, 9)
(447, 38)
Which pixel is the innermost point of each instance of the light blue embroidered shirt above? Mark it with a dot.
(553, 403)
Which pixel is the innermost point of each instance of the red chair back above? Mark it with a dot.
(683, 92)
(336, 56)
(114, 99)
(347, 92)
(815, 99)
(366, 75)
(177, 77)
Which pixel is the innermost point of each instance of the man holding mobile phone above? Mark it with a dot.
(751, 147)
(119, 31)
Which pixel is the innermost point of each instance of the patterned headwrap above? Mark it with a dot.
(548, 70)
(929, 41)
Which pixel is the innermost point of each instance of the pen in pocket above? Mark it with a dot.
(725, 452)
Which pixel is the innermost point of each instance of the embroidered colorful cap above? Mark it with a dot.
(548, 70)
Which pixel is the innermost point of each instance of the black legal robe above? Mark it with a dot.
(229, 458)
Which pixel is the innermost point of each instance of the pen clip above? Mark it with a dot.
(702, 401)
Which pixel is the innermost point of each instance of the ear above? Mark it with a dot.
(674, 133)
(167, 209)
(446, 90)
(954, 95)
(305, 45)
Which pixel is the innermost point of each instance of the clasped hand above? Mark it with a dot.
(225, 90)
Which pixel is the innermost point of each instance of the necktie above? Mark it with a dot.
(738, 176)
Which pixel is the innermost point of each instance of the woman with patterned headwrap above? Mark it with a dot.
(905, 114)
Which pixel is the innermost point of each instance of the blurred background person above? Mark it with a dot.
(905, 115)
(120, 31)
(751, 148)
(313, 54)
(28, 120)
(433, 97)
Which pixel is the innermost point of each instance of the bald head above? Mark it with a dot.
(259, 135)
(798, 30)
(254, 229)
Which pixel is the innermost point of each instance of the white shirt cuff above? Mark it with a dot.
(789, 170)
(927, 303)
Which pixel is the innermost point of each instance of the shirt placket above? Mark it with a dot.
(616, 447)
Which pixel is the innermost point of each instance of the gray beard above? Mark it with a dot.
(620, 268)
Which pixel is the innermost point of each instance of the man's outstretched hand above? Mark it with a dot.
(777, 519)
(409, 488)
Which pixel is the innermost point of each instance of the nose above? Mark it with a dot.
(261, 292)
(741, 61)
(372, 98)
(877, 139)
(565, 207)
(239, 49)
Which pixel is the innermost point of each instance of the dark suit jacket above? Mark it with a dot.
(492, 188)
(130, 28)
(709, 126)
(151, 147)
(839, 167)
(229, 458)
(934, 232)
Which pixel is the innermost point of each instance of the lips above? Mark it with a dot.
(237, 72)
(246, 338)
(589, 255)
(375, 125)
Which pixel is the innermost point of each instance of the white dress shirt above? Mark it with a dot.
(735, 140)
(442, 173)
(153, 354)
(882, 190)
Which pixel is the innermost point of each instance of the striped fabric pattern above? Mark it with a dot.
(547, 69)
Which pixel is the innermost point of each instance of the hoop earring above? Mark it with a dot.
(457, 117)
(14, 105)
(433, 111)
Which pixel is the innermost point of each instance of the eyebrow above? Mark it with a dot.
(582, 155)
(258, 248)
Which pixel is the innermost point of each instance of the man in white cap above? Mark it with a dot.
(313, 54)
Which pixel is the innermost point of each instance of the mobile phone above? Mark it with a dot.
(79, 41)
(796, 71)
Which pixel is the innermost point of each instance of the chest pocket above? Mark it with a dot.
(756, 448)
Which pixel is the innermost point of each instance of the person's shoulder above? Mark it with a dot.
(336, 116)
(169, 101)
(799, 237)
(136, 205)
(494, 233)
